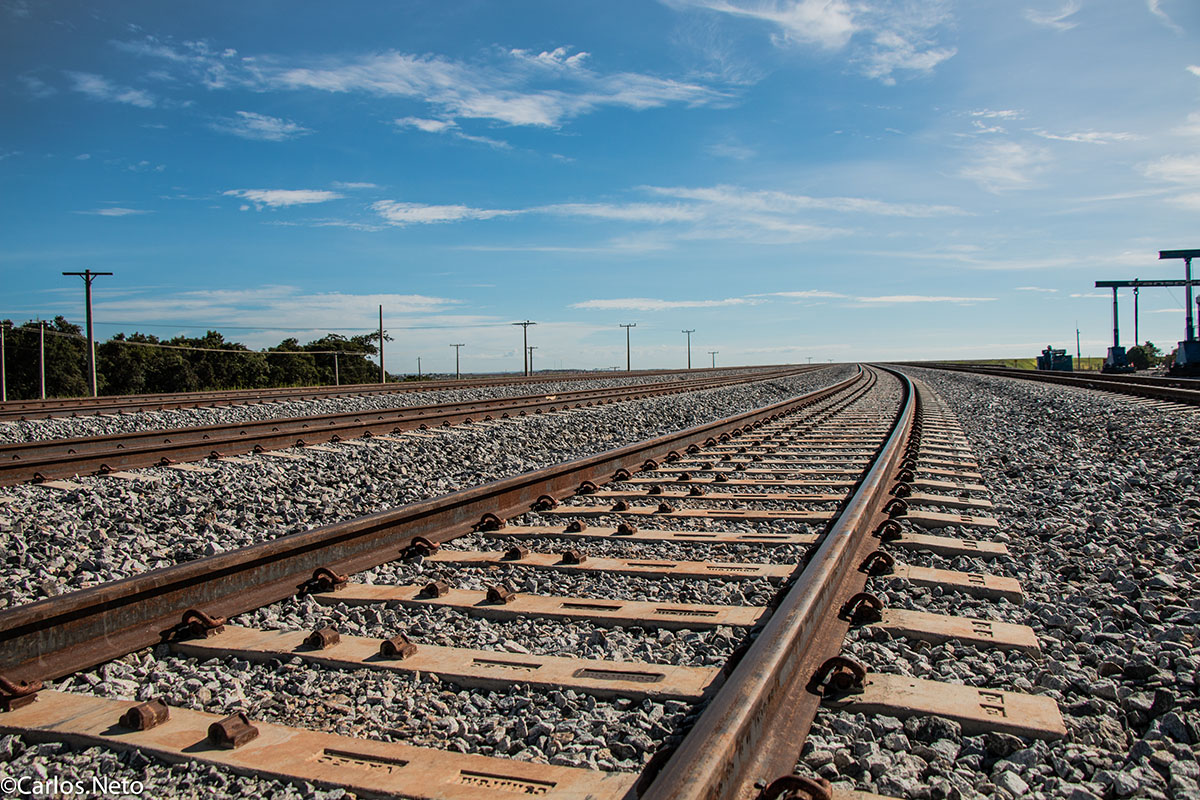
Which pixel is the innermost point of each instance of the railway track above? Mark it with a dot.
(14, 410)
(61, 458)
(1171, 393)
(813, 498)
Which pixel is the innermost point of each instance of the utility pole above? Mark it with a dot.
(713, 353)
(337, 379)
(418, 368)
(89, 276)
(382, 372)
(689, 335)
(457, 374)
(525, 342)
(42, 356)
(627, 327)
(1078, 356)
(810, 359)
(3, 381)
(531, 349)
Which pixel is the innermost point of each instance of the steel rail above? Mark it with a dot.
(111, 404)
(1171, 389)
(40, 460)
(751, 733)
(57, 636)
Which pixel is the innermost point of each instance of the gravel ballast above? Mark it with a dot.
(1097, 500)
(112, 528)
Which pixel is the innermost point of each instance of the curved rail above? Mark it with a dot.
(752, 731)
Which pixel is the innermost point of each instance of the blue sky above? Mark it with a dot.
(835, 179)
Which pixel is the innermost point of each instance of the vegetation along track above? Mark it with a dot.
(126, 404)
(805, 492)
(60, 458)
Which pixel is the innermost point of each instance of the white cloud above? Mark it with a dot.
(628, 212)
(1089, 137)
(100, 88)
(1001, 166)
(738, 152)
(36, 86)
(261, 127)
(652, 304)
(1189, 201)
(451, 128)
(1195, 70)
(558, 58)
(891, 36)
(1155, 8)
(1034, 289)
(1060, 20)
(400, 214)
(920, 298)
(427, 125)
(1091, 294)
(115, 211)
(987, 113)
(350, 185)
(806, 294)
(724, 197)
(83, 156)
(826, 23)
(281, 198)
(1177, 169)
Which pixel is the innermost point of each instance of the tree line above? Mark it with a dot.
(144, 364)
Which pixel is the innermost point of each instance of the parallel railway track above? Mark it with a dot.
(128, 404)
(850, 468)
(1179, 391)
(59, 458)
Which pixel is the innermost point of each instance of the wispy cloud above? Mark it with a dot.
(653, 304)
(1088, 137)
(629, 212)
(805, 294)
(450, 128)
(100, 88)
(988, 113)
(1195, 70)
(115, 211)
(1034, 289)
(1003, 166)
(1089, 294)
(261, 127)
(728, 149)
(282, 198)
(1177, 169)
(1155, 8)
(1058, 20)
(776, 202)
(36, 87)
(400, 214)
(883, 37)
(353, 185)
(515, 88)
(894, 299)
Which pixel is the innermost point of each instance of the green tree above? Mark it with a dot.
(66, 360)
(1144, 356)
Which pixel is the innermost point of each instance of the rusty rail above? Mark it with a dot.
(1175, 390)
(41, 460)
(750, 735)
(113, 404)
(61, 635)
